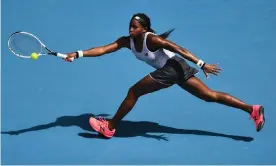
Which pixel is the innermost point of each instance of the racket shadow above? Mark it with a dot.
(126, 129)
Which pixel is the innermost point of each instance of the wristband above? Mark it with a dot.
(200, 64)
(79, 54)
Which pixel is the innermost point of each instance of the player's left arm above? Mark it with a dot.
(159, 42)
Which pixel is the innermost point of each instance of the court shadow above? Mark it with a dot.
(125, 129)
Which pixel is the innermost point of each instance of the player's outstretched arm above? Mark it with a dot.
(122, 42)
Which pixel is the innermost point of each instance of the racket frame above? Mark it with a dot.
(41, 43)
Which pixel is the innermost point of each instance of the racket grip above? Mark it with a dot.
(63, 56)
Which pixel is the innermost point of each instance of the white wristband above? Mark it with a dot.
(200, 63)
(80, 54)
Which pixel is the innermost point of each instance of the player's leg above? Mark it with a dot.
(197, 88)
(142, 87)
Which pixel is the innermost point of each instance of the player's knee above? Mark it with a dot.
(133, 92)
(210, 96)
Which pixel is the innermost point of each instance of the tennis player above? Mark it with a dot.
(170, 69)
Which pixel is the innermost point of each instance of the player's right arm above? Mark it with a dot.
(122, 42)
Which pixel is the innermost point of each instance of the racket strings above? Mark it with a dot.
(24, 45)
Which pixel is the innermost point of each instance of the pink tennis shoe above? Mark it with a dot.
(101, 125)
(258, 116)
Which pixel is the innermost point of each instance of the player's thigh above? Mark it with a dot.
(197, 88)
(147, 85)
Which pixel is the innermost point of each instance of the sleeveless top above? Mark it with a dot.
(155, 59)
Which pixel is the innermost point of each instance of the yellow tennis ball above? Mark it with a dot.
(34, 56)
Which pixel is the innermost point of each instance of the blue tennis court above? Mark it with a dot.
(46, 103)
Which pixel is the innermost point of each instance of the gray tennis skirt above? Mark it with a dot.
(175, 71)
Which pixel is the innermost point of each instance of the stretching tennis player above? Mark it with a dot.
(171, 69)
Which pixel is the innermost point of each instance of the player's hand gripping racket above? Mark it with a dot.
(27, 45)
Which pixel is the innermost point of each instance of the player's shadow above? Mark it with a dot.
(125, 129)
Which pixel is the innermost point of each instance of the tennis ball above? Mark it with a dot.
(34, 56)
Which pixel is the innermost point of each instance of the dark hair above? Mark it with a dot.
(144, 20)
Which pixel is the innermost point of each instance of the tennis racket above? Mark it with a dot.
(23, 44)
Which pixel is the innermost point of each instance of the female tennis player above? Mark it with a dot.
(160, 53)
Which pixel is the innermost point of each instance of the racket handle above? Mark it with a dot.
(63, 56)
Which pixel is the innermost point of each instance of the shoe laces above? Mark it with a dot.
(103, 122)
(254, 117)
